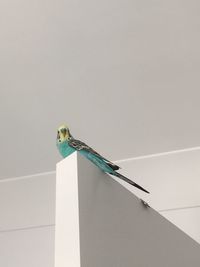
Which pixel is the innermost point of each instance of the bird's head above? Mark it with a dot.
(63, 134)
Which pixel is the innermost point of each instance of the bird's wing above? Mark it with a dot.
(79, 145)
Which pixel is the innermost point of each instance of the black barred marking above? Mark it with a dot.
(79, 145)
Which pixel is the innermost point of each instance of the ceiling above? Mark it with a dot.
(123, 74)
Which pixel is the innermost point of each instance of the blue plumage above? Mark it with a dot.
(66, 145)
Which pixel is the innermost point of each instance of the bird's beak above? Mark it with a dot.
(58, 136)
(64, 132)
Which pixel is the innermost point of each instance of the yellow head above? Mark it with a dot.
(63, 134)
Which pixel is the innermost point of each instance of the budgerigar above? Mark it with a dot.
(67, 145)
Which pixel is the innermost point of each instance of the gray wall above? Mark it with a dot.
(116, 230)
(27, 221)
(130, 67)
(28, 203)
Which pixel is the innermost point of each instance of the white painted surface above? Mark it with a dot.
(67, 244)
(30, 201)
(27, 248)
(116, 230)
(27, 202)
(188, 220)
(124, 74)
(173, 178)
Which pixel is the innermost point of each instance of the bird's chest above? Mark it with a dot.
(65, 149)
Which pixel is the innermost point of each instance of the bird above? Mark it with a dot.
(67, 145)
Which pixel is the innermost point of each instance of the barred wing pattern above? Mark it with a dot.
(79, 145)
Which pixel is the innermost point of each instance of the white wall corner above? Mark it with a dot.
(100, 223)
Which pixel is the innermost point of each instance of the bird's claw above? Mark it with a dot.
(145, 203)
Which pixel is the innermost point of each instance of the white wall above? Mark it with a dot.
(27, 208)
(27, 248)
(27, 205)
(174, 182)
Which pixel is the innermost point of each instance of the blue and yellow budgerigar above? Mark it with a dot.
(66, 145)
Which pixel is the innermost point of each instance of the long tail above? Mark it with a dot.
(120, 176)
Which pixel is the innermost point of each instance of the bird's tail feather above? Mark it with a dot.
(120, 176)
(113, 166)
